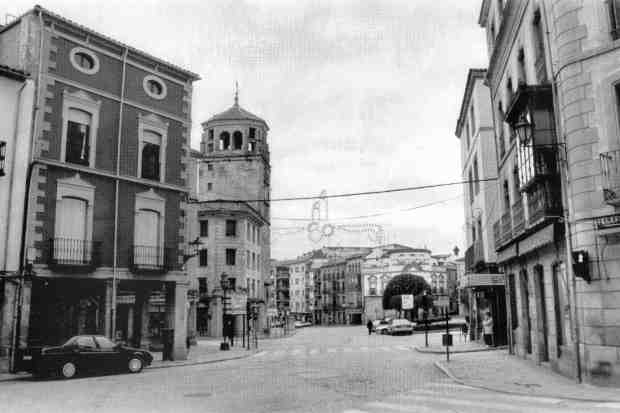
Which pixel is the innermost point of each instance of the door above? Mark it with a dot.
(543, 329)
(525, 311)
(148, 251)
(70, 241)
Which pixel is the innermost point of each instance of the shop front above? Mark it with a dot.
(486, 307)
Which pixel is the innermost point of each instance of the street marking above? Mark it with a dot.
(479, 393)
(440, 399)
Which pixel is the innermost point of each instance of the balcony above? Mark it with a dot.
(610, 169)
(150, 259)
(518, 217)
(537, 163)
(505, 227)
(474, 256)
(72, 253)
(544, 203)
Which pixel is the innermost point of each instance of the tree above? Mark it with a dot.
(403, 284)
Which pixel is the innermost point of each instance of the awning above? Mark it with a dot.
(481, 280)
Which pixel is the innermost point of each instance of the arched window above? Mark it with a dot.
(78, 136)
(237, 140)
(151, 144)
(384, 282)
(372, 285)
(224, 141)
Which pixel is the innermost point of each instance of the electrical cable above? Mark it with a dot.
(347, 195)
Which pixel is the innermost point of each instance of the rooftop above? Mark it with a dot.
(236, 113)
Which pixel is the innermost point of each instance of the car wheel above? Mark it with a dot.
(68, 370)
(135, 365)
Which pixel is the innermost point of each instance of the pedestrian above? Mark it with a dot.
(487, 327)
(465, 329)
(369, 327)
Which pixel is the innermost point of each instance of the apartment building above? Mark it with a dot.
(16, 106)
(482, 287)
(229, 213)
(553, 78)
(106, 206)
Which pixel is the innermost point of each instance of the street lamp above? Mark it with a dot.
(523, 127)
(225, 284)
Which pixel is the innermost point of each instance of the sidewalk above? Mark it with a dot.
(461, 344)
(501, 372)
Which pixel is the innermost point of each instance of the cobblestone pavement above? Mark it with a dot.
(500, 371)
(341, 370)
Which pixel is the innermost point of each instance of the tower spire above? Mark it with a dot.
(236, 93)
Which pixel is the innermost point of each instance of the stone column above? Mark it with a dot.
(215, 311)
(109, 285)
(176, 307)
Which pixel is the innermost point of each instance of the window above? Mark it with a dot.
(202, 285)
(248, 235)
(203, 258)
(209, 186)
(541, 71)
(86, 342)
(614, 14)
(516, 183)
(2, 157)
(80, 123)
(210, 147)
(248, 262)
(149, 229)
(84, 60)
(231, 256)
(204, 228)
(476, 177)
(209, 167)
(500, 135)
(254, 262)
(210, 134)
(509, 91)
(224, 141)
(154, 87)
(78, 133)
(105, 343)
(252, 133)
(506, 194)
(231, 228)
(151, 155)
(251, 146)
(152, 136)
(521, 76)
(237, 140)
(372, 285)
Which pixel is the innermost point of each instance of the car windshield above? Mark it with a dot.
(70, 342)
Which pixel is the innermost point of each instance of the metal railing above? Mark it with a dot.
(543, 204)
(505, 227)
(74, 252)
(150, 258)
(610, 169)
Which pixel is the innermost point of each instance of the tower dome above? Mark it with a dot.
(236, 113)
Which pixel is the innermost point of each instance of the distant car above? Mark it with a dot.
(380, 326)
(300, 324)
(86, 353)
(400, 326)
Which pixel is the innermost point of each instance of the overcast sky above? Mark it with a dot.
(359, 95)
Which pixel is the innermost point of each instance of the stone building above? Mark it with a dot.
(353, 289)
(16, 106)
(332, 293)
(106, 205)
(554, 78)
(229, 215)
(482, 286)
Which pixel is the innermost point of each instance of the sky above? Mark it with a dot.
(359, 96)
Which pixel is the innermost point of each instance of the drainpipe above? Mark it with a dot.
(566, 201)
(116, 194)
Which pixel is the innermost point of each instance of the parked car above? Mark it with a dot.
(400, 326)
(380, 326)
(85, 353)
(300, 324)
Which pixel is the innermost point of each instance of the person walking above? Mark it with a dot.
(369, 327)
(487, 327)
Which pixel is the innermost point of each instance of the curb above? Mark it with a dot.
(197, 363)
(445, 370)
(477, 350)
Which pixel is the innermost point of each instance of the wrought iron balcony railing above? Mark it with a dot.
(145, 258)
(69, 252)
(544, 202)
(505, 227)
(610, 169)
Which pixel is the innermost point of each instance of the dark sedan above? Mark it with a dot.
(82, 354)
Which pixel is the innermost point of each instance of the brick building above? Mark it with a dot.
(106, 206)
(229, 214)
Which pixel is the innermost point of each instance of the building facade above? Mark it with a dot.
(332, 276)
(353, 289)
(553, 69)
(483, 285)
(16, 107)
(231, 168)
(106, 209)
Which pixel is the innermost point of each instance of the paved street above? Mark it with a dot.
(320, 369)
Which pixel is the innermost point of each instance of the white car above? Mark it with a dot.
(400, 326)
(380, 326)
(300, 324)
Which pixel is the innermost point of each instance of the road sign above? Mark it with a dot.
(407, 301)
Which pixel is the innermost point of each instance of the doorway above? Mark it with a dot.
(542, 313)
(525, 311)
